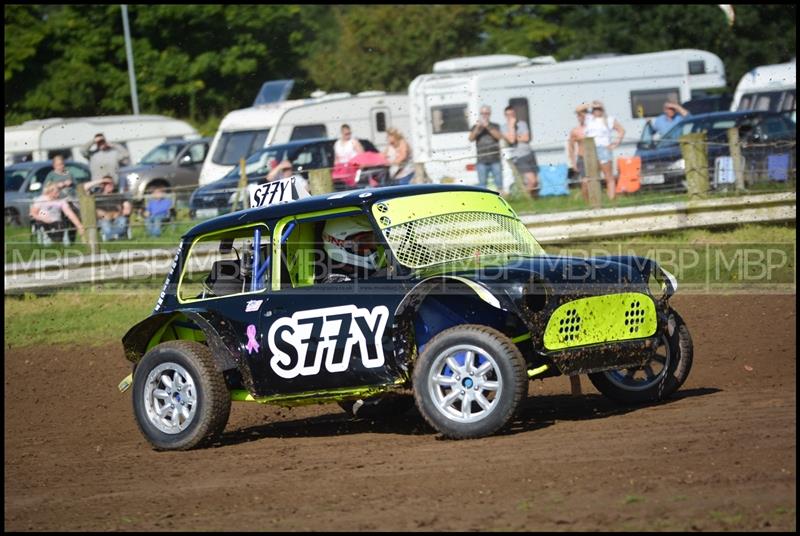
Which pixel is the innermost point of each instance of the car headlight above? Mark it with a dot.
(677, 165)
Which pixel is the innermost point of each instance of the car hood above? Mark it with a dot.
(558, 274)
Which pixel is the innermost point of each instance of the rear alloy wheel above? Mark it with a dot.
(468, 381)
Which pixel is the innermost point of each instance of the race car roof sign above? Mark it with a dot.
(275, 192)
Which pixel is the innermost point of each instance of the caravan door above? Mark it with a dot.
(449, 110)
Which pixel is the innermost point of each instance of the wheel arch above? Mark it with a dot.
(204, 327)
(427, 310)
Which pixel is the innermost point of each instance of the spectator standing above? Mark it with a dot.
(113, 209)
(398, 153)
(346, 147)
(575, 150)
(157, 210)
(518, 135)
(673, 114)
(47, 211)
(105, 159)
(60, 176)
(487, 136)
(600, 126)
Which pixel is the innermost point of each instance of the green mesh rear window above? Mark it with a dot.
(458, 236)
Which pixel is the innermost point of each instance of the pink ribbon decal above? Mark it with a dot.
(252, 345)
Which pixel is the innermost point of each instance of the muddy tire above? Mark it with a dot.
(469, 380)
(180, 399)
(660, 377)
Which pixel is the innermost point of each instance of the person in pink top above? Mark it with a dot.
(48, 211)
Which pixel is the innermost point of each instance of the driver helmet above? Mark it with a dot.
(351, 240)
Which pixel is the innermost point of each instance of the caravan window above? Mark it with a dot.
(305, 132)
(451, 118)
(235, 145)
(65, 153)
(768, 101)
(650, 103)
(380, 122)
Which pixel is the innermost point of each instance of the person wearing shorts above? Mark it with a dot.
(518, 136)
(600, 126)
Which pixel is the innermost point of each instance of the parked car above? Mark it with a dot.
(435, 295)
(760, 135)
(173, 164)
(24, 182)
(217, 197)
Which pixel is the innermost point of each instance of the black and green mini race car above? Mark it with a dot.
(368, 297)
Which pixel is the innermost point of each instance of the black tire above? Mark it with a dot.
(676, 349)
(208, 405)
(378, 407)
(436, 400)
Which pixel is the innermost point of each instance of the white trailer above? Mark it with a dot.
(544, 93)
(44, 138)
(242, 132)
(768, 87)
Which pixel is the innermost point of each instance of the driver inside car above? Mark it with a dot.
(352, 250)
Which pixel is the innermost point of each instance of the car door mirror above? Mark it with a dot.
(35, 186)
(186, 160)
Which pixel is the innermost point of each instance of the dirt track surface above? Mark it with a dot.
(720, 455)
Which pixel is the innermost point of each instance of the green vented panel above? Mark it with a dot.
(612, 317)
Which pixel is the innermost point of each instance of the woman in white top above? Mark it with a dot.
(599, 126)
(346, 147)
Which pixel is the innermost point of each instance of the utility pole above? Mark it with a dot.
(129, 54)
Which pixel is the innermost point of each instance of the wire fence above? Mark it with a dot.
(690, 165)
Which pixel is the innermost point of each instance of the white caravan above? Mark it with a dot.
(44, 138)
(544, 93)
(242, 132)
(768, 87)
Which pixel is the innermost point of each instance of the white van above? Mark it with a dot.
(768, 87)
(544, 93)
(244, 131)
(42, 139)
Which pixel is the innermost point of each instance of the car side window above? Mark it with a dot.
(338, 249)
(225, 263)
(78, 173)
(198, 152)
(37, 180)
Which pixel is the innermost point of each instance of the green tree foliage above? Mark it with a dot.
(201, 61)
(386, 46)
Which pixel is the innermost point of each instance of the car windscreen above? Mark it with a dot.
(163, 154)
(427, 229)
(233, 146)
(14, 179)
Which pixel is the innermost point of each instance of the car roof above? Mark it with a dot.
(331, 200)
(41, 163)
(728, 115)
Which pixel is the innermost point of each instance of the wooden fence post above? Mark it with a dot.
(320, 181)
(420, 177)
(695, 157)
(241, 188)
(88, 217)
(736, 156)
(592, 165)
